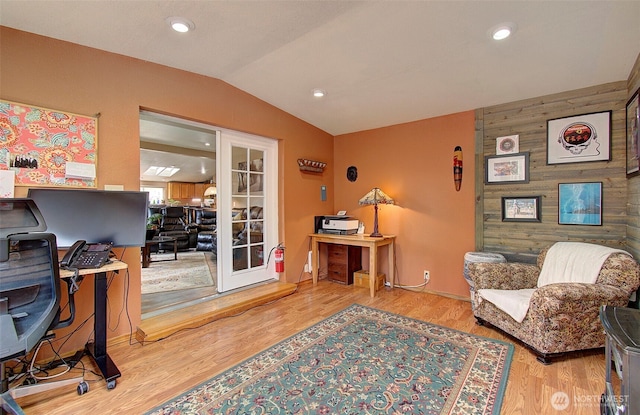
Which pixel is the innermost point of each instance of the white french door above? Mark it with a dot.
(247, 206)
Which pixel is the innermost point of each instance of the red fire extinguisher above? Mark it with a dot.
(278, 258)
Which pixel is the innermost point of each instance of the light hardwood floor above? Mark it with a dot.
(158, 303)
(156, 372)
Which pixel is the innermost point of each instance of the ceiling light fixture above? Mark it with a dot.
(319, 93)
(502, 31)
(180, 24)
(161, 171)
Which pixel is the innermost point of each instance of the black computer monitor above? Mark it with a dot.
(94, 216)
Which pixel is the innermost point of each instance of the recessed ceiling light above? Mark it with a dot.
(502, 31)
(319, 93)
(180, 24)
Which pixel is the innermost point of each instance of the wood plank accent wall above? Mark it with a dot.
(633, 184)
(528, 119)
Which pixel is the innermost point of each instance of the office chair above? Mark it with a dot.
(29, 296)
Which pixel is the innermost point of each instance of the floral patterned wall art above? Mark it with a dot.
(46, 147)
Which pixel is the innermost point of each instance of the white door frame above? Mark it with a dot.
(227, 278)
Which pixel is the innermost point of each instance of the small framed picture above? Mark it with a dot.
(521, 209)
(579, 138)
(508, 144)
(507, 169)
(633, 135)
(580, 203)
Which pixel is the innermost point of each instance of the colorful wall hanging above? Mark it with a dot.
(46, 147)
(457, 167)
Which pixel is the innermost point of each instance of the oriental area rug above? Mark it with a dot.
(360, 361)
(192, 269)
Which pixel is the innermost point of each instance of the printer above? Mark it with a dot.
(338, 225)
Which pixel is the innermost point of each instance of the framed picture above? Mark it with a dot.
(580, 203)
(512, 168)
(579, 138)
(633, 134)
(521, 209)
(508, 144)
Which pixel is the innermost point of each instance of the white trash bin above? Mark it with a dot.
(476, 257)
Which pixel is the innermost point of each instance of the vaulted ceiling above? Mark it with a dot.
(380, 62)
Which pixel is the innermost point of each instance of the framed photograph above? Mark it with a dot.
(521, 209)
(508, 144)
(509, 169)
(579, 138)
(580, 203)
(633, 134)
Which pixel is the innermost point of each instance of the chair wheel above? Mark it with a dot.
(83, 387)
(111, 384)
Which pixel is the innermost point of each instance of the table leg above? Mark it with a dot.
(98, 348)
(373, 268)
(315, 259)
(146, 256)
(392, 262)
(175, 249)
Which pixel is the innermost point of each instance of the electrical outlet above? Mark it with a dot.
(426, 276)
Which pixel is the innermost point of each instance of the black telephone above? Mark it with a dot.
(84, 255)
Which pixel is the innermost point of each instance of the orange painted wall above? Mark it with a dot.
(54, 74)
(412, 163)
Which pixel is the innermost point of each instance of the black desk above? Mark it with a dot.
(98, 348)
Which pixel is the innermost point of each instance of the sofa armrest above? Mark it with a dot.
(575, 298)
(503, 276)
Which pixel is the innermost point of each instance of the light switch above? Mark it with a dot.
(323, 193)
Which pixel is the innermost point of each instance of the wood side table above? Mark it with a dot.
(357, 240)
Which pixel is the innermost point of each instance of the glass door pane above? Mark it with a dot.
(248, 204)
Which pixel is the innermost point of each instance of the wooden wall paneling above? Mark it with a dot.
(528, 119)
(479, 179)
(633, 183)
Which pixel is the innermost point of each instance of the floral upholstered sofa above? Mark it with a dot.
(561, 317)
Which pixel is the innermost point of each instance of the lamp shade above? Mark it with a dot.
(211, 191)
(375, 197)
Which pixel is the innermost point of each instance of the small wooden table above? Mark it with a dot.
(358, 240)
(146, 249)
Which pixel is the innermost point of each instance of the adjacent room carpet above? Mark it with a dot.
(360, 361)
(193, 269)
